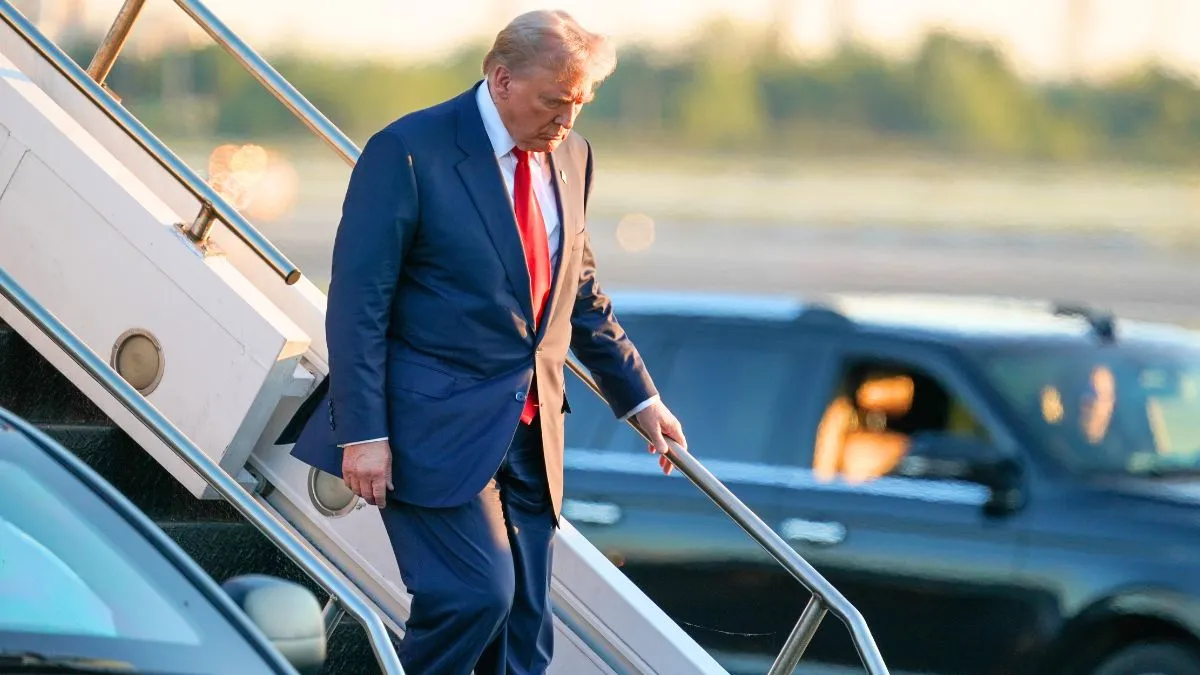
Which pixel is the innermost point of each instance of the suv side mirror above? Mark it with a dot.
(287, 613)
(953, 457)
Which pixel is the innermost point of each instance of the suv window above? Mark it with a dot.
(1125, 408)
(871, 418)
(591, 422)
(727, 381)
(726, 395)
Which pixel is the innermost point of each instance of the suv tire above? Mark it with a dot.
(1152, 658)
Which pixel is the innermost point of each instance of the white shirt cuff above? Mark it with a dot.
(373, 440)
(640, 407)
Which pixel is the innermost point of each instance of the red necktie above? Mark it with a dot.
(537, 253)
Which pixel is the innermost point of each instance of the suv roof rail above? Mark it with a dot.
(823, 314)
(1103, 323)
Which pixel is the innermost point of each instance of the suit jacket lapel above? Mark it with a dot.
(568, 190)
(481, 174)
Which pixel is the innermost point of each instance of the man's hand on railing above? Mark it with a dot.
(659, 424)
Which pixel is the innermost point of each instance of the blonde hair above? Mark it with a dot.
(552, 39)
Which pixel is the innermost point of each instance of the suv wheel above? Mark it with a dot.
(1154, 658)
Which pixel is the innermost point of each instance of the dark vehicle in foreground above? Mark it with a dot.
(89, 584)
(999, 487)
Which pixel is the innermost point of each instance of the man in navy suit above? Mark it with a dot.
(462, 274)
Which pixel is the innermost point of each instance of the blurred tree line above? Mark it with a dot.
(730, 90)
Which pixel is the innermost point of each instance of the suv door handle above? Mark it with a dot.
(824, 533)
(596, 513)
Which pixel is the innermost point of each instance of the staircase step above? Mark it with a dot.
(350, 650)
(32, 389)
(121, 461)
(226, 550)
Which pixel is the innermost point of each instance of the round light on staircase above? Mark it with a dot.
(329, 494)
(138, 358)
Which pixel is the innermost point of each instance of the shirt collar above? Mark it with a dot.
(502, 141)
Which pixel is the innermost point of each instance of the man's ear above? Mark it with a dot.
(501, 82)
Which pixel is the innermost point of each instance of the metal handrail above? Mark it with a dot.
(825, 597)
(339, 591)
(211, 202)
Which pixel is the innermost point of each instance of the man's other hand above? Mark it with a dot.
(660, 425)
(367, 471)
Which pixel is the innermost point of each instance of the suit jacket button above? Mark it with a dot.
(520, 396)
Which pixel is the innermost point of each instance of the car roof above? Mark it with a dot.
(930, 317)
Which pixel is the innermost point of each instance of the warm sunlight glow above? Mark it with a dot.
(261, 184)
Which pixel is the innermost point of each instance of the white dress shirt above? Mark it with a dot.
(541, 176)
(539, 170)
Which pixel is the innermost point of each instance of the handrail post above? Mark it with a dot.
(200, 228)
(332, 614)
(114, 41)
(798, 639)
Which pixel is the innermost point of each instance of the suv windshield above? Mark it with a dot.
(1100, 409)
(77, 580)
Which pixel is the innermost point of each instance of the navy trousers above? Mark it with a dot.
(479, 573)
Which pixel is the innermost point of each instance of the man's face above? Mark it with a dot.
(539, 106)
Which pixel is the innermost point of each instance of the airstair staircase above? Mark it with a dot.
(150, 328)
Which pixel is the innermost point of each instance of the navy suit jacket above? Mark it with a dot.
(430, 319)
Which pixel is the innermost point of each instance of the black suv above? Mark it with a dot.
(1000, 487)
